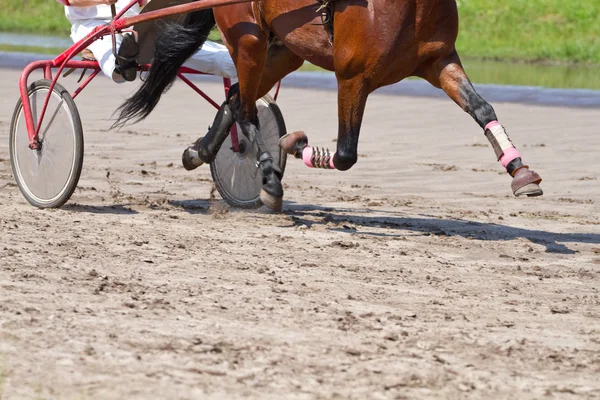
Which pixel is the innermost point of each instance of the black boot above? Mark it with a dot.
(126, 58)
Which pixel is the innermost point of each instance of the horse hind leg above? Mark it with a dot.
(205, 149)
(449, 75)
(280, 62)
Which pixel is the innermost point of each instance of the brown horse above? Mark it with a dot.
(368, 43)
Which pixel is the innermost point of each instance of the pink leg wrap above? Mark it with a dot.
(508, 155)
(490, 125)
(308, 156)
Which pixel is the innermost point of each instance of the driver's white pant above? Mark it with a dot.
(212, 58)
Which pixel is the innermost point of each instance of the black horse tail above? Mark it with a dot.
(174, 45)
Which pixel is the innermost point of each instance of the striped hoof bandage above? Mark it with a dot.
(315, 157)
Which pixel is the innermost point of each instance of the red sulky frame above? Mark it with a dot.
(118, 24)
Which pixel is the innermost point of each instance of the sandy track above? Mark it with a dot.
(415, 274)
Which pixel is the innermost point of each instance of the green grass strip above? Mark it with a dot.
(31, 49)
(34, 16)
(532, 30)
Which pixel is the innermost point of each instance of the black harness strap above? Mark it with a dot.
(327, 13)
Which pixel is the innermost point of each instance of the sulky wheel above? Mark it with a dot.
(236, 174)
(48, 176)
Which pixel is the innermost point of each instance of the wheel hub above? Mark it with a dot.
(243, 147)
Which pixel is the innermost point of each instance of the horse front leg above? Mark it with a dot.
(271, 193)
(352, 99)
(249, 51)
(250, 54)
(448, 74)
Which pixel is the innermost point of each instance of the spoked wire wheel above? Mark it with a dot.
(236, 174)
(47, 176)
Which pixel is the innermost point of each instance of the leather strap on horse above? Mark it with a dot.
(327, 13)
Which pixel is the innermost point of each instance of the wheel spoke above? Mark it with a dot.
(47, 177)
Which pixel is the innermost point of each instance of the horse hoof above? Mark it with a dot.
(293, 143)
(526, 182)
(190, 159)
(275, 203)
(530, 190)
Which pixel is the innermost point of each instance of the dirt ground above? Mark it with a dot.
(416, 274)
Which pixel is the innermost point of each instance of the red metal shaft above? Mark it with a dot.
(122, 23)
(117, 24)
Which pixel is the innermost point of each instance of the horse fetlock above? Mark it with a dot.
(513, 166)
(344, 161)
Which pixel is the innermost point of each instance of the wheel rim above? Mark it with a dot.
(44, 173)
(238, 173)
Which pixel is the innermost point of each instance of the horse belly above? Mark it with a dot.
(293, 25)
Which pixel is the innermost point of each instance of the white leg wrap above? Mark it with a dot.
(498, 139)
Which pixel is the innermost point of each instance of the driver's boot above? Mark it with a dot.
(126, 58)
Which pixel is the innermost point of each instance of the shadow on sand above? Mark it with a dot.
(108, 209)
(397, 222)
(431, 225)
(190, 206)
